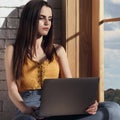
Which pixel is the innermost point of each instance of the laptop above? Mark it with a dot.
(68, 96)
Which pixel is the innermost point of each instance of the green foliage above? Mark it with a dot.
(112, 95)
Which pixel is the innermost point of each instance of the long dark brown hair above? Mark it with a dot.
(27, 34)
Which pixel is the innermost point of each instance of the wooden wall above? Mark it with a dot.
(98, 44)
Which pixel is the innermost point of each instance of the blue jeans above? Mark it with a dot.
(106, 110)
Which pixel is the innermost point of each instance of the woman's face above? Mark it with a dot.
(45, 19)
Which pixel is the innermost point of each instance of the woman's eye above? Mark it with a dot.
(44, 18)
(41, 18)
(50, 19)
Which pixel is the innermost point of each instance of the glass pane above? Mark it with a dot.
(112, 51)
(112, 8)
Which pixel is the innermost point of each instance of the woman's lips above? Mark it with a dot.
(46, 29)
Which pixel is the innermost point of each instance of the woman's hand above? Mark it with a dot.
(35, 113)
(27, 109)
(93, 108)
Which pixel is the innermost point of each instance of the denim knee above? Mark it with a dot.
(112, 109)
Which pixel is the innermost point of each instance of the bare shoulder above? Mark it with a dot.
(10, 48)
(58, 47)
(9, 51)
(59, 50)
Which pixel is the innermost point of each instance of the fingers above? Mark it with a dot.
(91, 112)
(94, 105)
(34, 108)
(35, 114)
(93, 108)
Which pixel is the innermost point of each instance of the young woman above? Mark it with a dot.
(33, 58)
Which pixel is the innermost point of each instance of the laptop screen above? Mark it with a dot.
(68, 96)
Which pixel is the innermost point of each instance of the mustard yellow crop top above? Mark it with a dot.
(34, 73)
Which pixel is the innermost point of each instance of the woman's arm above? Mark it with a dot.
(11, 82)
(63, 61)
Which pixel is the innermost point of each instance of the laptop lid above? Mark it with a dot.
(68, 96)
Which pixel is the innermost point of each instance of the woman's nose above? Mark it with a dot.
(46, 21)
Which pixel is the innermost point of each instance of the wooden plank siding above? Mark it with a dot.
(85, 38)
(72, 34)
(98, 44)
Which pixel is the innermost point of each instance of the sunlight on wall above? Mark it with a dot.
(6, 7)
(14, 3)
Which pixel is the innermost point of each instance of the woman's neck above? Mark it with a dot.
(38, 53)
(38, 42)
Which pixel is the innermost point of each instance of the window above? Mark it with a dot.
(112, 50)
